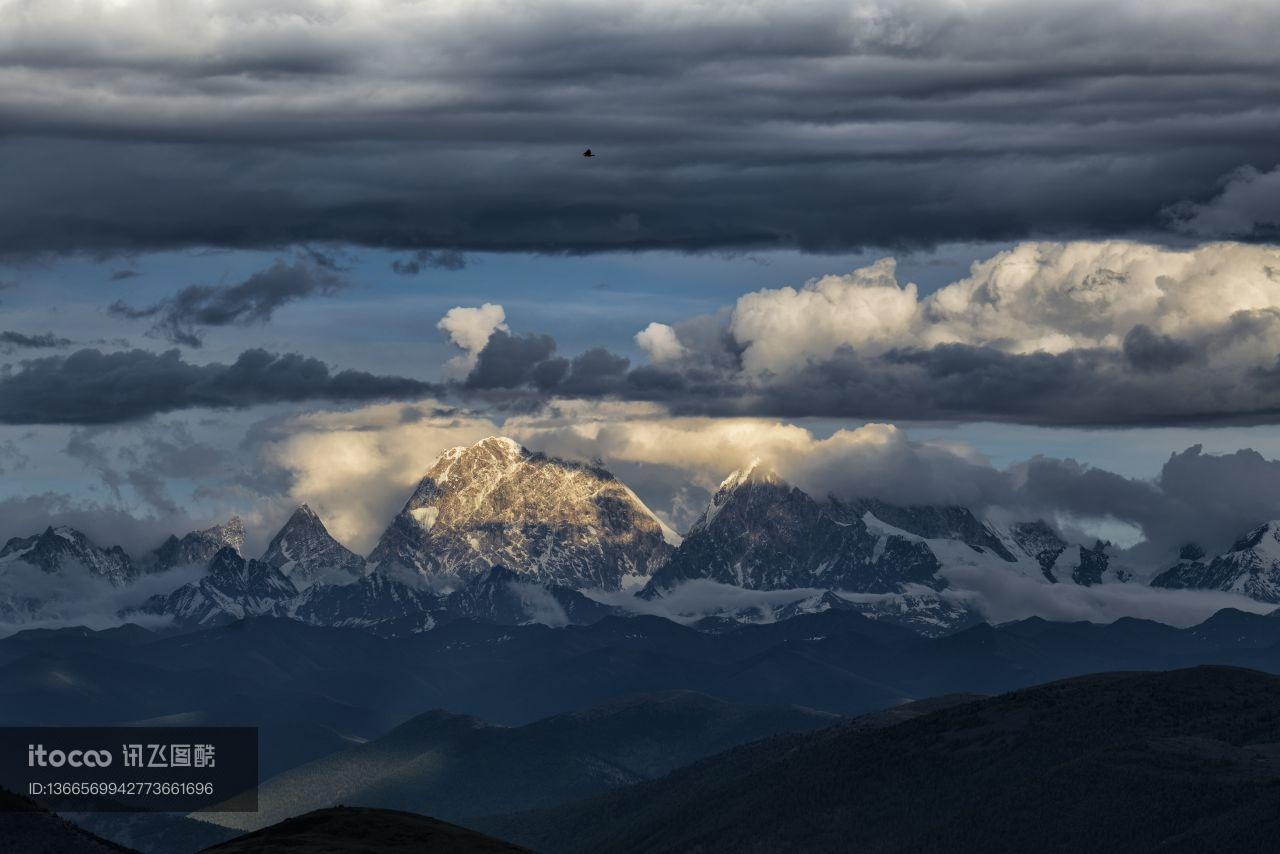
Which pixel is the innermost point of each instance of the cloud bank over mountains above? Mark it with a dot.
(675, 464)
(356, 468)
(457, 126)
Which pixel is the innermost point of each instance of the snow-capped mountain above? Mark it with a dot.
(893, 563)
(197, 547)
(64, 549)
(44, 575)
(938, 523)
(1061, 561)
(1250, 567)
(308, 575)
(304, 551)
(763, 534)
(497, 504)
(498, 534)
(233, 588)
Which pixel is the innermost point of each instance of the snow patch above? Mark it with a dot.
(425, 516)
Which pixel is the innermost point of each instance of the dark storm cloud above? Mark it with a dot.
(510, 361)
(1248, 206)
(1148, 350)
(958, 382)
(92, 387)
(252, 301)
(595, 372)
(444, 259)
(1150, 382)
(822, 125)
(10, 339)
(1204, 499)
(529, 361)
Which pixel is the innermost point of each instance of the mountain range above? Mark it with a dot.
(497, 533)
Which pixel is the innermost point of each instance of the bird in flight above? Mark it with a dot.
(587, 153)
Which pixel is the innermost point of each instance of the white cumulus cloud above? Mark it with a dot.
(469, 329)
(1034, 297)
(659, 342)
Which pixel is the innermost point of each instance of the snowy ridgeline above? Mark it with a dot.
(494, 532)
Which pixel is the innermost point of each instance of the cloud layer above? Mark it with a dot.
(729, 124)
(93, 387)
(1083, 333)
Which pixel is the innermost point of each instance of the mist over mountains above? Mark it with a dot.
(497, 533)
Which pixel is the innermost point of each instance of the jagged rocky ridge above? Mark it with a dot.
(233, 588)
(763, 534)
(496, 533)
(1251, 567)
(197, 547)
(68, 558)
(62, 548)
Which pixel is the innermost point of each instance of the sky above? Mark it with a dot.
(1018, 256)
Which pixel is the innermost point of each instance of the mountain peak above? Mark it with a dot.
(303, 516)
(305, 552)
(549, 519)
(500, 447)
(761, 533)
(739, 486)
(233, 588)
(63, 547)
(754, 472)
(503, 445)
(198, 547)
(1251, 567)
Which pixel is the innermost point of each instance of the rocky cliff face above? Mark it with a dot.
(304, 551)
(496, 504)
